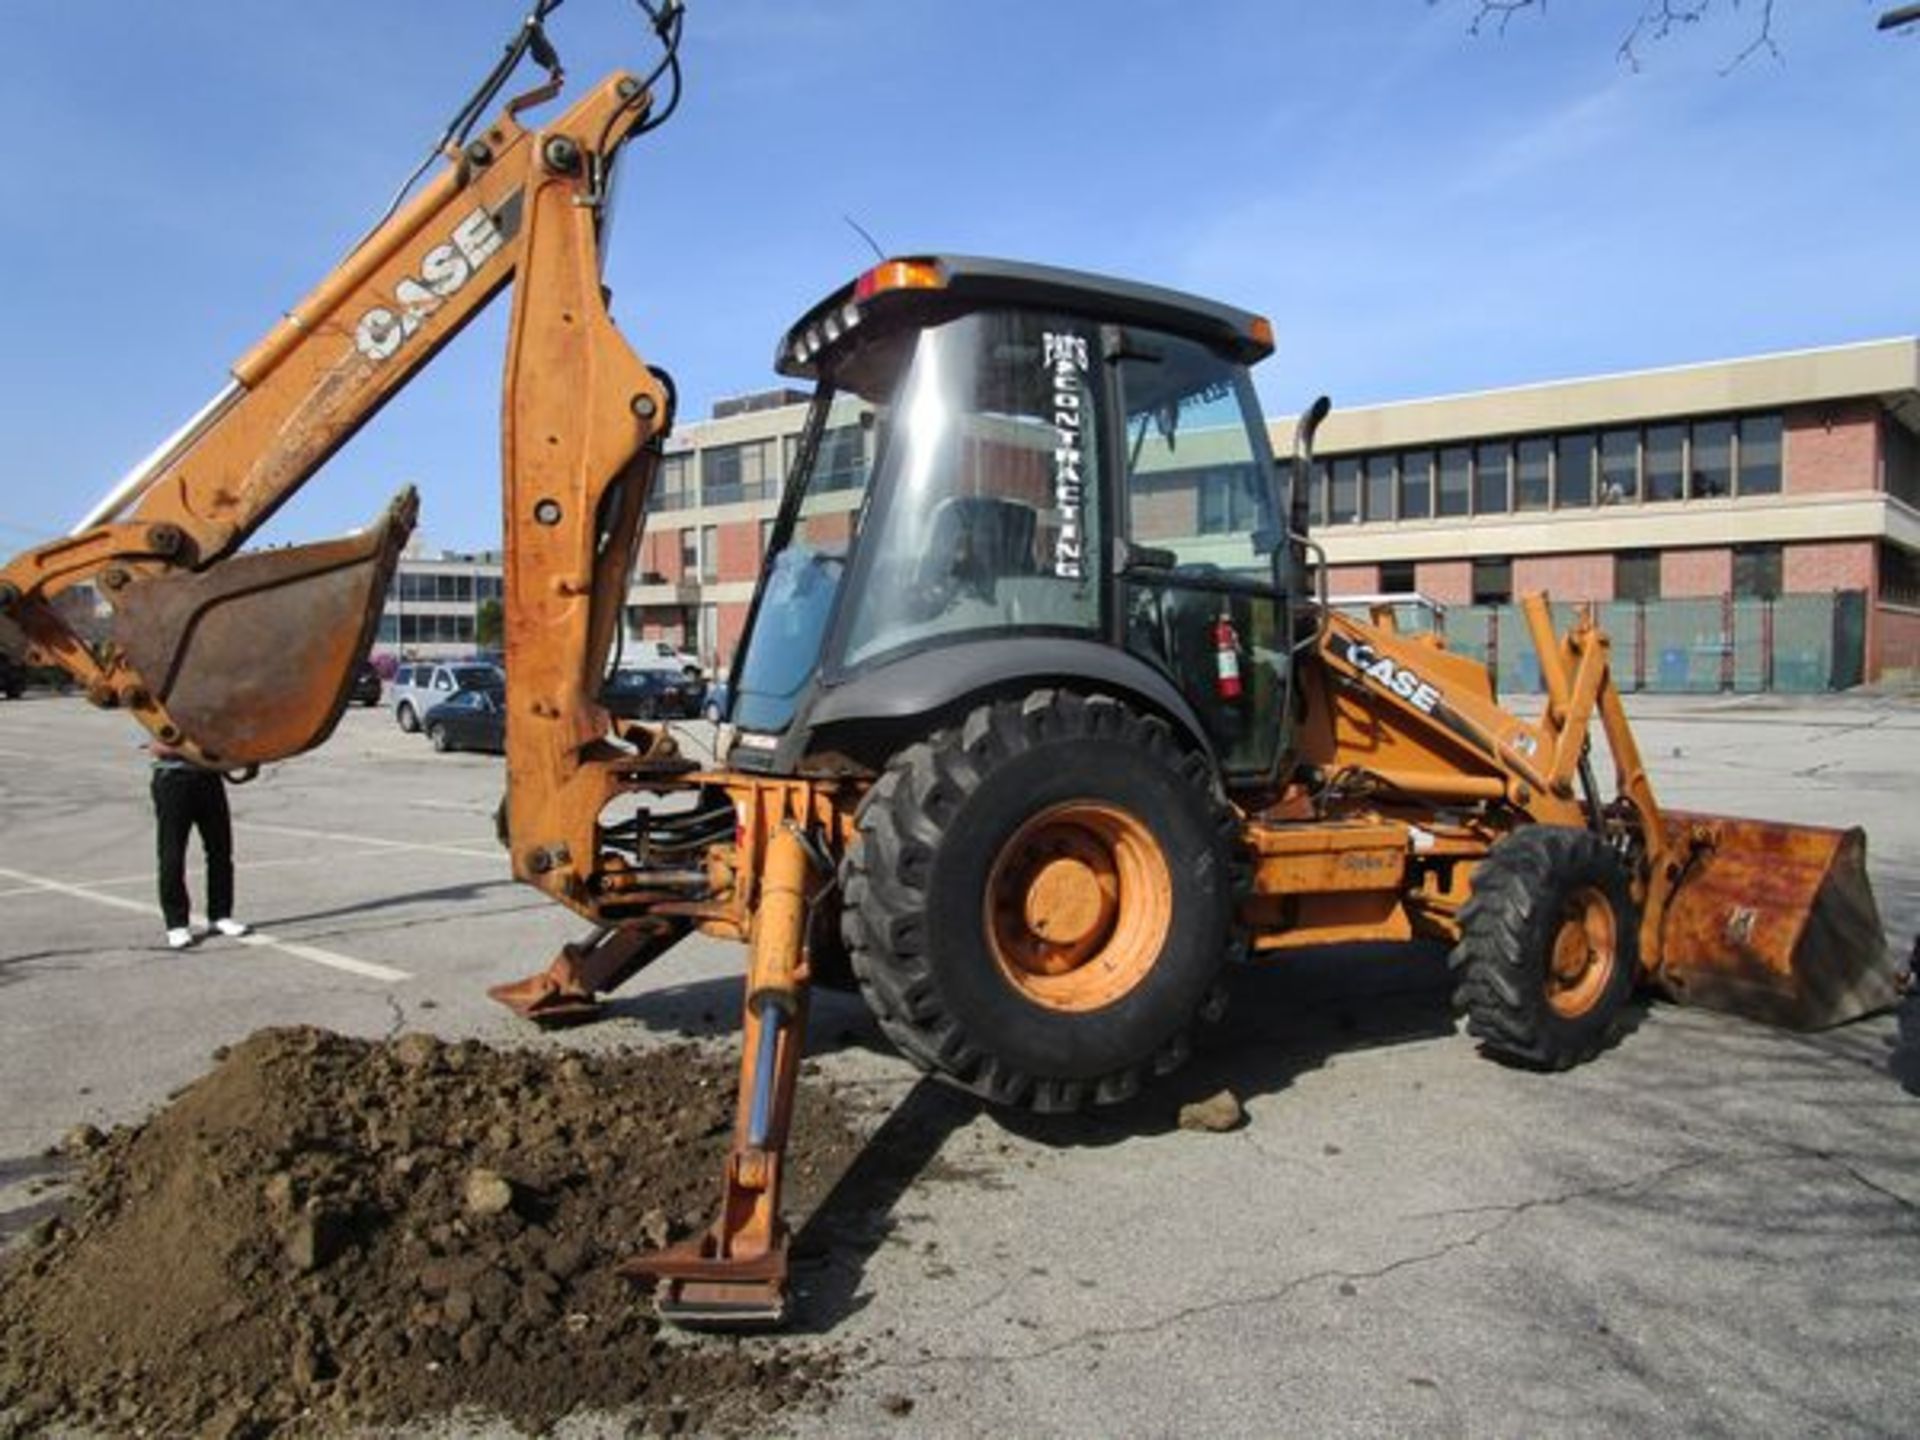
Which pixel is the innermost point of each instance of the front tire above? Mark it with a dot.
(1549, 947)
(442, 741)
(1039, 901)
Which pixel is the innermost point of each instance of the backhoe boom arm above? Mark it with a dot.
(514, 203)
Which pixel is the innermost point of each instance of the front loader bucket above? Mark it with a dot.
(252, 658)
(1773, 922)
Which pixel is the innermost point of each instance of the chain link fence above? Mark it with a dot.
(1795, 644)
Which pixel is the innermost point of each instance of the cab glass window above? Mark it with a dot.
(1195, 484)
(988, 487)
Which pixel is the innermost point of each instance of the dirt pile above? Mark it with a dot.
(325, 1232)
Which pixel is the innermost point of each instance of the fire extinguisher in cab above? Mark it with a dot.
(1226, 654)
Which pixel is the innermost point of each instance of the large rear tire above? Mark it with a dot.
(1039, 901)
(1549, 947)
(409, 721)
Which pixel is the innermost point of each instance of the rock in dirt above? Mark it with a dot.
(1218, 1113)
(81, 1140)
(253, 1259)
(488, 1192)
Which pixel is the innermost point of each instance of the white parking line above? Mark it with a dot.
(145, 877)
(372, 841)
(287, 947)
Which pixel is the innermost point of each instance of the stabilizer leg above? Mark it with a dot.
(735, 1274)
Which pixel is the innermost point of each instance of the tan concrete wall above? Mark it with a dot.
(1761, 382)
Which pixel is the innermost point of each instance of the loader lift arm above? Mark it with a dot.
(1769, 920)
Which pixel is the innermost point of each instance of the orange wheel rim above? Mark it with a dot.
(1079, 904)
(1585, 952)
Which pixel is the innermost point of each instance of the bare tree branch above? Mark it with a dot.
(1655, 21)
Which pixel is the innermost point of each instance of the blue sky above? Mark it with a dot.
(1419, 210)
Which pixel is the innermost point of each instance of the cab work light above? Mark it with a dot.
(899, 275)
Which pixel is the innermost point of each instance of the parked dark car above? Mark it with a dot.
(651, 695)
(471, 720)
(366, 685)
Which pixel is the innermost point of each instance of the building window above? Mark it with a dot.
(1756, 572)
(730, 474)
(1493, 581)
(709, 633)
(1636, 575)
(1619, 467)
(1710, 469)
(1663, 461)
(1397, 578)
(1573, 471)
(1317, 494)
(1345, 502)
(1900, 461)
(689, 553)
(1530, 474)
(1228, 502)
(1760, 455)
(709, 552)
(842, 462)
(672, 484)
(1899, 575)
(1416, 484)
(1455, 495)
(1379, 487)
(1490, 479)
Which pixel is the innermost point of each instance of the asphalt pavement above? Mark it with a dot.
(1711, 1229)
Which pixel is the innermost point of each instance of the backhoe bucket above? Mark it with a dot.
(1773, 922)
(252, 658)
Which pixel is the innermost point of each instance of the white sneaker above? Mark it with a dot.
(179, 939)
(233, 928)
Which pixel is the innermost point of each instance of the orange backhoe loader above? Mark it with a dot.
(1026, 741)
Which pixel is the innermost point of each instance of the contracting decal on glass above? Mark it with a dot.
(1066, 357)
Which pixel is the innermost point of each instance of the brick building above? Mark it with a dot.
(1750, 478)
(433, 603)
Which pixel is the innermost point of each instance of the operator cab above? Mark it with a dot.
(1011, 477)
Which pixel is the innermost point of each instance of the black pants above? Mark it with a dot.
(185, 800)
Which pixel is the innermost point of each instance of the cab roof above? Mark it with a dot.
(933, 287)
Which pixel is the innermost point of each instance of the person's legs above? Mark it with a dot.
(173, 819)
(216, 835)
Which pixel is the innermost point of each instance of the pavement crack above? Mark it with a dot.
(1874, 1185)
(399, 1017)
(1205, 1308)
(1515, 1208)
(1500, 1217)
